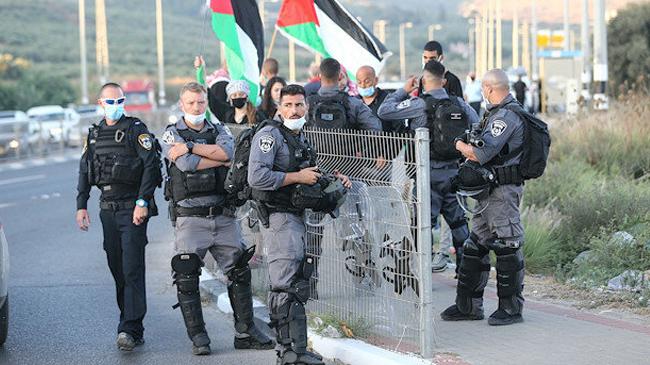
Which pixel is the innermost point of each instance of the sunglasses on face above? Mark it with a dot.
(114, 101)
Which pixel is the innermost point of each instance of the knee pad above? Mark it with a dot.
(187, 269)
(474, 269)
(510, 272)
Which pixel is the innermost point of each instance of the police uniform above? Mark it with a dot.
(122, 162)
(275, 151)
(399, 105)
(359, 114)
(197, 202)
(498, 226)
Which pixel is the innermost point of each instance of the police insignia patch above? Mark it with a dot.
(498, 127)
(145, 141)
(168, 137)
(266, 143)
(405, 104)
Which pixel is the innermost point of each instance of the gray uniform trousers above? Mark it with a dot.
(285, 240)
(221, 235)
(497, 228)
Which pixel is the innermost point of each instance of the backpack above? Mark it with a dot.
(329, 112)
(446, 120)
(536, 145)
(237, 178)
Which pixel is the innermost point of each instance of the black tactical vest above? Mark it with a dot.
(206, 182)
(115, 165)
(301, 155)
(329, 112)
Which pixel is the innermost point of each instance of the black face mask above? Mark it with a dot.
(239, 102)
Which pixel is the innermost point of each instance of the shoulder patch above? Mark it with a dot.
(266, 143)
(168, 137)
(145, 141)
(498, 127)
(404, 104)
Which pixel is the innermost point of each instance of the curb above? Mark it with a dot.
(347, 351)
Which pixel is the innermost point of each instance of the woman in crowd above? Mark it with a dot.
(271, 97)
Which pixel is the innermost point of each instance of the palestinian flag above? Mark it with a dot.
(327, 28)
(238, 25)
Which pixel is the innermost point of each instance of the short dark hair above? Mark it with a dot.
(109, 85)
(433, 46)
(271, 65)
(330, 69)
(435, 68)
(292, 90)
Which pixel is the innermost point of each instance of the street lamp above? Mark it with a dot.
(432, 28)
(379, 29)
(402, 49)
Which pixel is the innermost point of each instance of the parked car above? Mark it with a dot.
(88, 114)
(4, 287)
(13, 132)
(54, 120)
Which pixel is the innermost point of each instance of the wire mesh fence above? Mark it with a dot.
(371, 268)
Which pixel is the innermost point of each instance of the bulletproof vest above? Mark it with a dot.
(301, 155)
(446, 120)
(115, 165)
(206, 182)
(329, 112)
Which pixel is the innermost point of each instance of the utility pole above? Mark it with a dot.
(161, 59)
(82, 51)
(101, 41)
(478, 29)
(525, 43)
(470, 44)
(379, 29)
(586, 52)
(600, 57)
(515, 39)
(402, 49)
(566, 25)
(484, 42)
(490, 35)
(499, 42)
(533, 35)
(292, 61)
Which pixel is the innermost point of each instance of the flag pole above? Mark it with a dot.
(275, 33)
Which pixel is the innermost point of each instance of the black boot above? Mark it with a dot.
(186, 277)
(247, 335)
(454, 314)
(502, 318)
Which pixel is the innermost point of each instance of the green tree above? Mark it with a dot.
(629, 47)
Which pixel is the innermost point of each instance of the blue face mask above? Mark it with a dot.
(367, 92)
(113, 112)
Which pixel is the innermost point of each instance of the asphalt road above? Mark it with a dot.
(62, 304)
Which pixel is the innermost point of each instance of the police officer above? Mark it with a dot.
(281, 160)
(497, 226)
(197, 154)
(357, 114)
(120, 158)
(421, 111)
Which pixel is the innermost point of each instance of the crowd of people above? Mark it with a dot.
(275, 167)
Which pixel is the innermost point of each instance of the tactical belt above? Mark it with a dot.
(295, 211)
(117, 205)
(446, 167)
(509, 175)
(206, 212)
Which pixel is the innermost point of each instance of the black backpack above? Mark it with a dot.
(446, 120)
(536, 144)
(237, 178)
(329, 112)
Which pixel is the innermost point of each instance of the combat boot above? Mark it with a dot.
(501, 318)
(453, 313)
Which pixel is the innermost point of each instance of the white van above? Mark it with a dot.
(54, 121)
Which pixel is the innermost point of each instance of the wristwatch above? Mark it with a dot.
(141, 203)
(190, 146)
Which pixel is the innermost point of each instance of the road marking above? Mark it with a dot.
(59, 159)
(6, 205)
(39, 162)
(16, 165)
(17, 180)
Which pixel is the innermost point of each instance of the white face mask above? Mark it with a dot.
(194, 119)
(294, 124)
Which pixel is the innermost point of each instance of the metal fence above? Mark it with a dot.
(373, 261)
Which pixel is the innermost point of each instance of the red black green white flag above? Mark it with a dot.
(238, 25)
(327, 28)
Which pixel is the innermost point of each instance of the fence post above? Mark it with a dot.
(423, 189)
